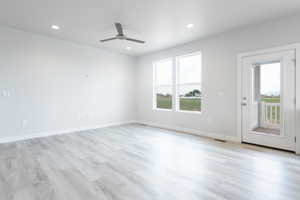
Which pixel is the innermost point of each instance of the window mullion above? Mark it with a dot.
(164, 85)
(189, 84)
(154, 98)
(174, 97)
(176, 83)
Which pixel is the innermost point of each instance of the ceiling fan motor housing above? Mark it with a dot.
(121, 37)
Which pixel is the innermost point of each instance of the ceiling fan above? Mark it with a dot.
(121, 36)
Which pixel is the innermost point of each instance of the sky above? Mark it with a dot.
(189, 72)
(270, 78)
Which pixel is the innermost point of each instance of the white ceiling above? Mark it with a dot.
(162, 23)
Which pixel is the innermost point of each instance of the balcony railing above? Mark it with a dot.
(270, 115)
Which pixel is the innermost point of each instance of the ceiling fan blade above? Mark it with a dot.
(108, 39)
(134, 40)
(119, 28)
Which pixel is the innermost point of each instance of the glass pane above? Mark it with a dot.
(163, 71)
(190, 97)
(164, 97)
(265, 112)
(270, 82)
(190, 69)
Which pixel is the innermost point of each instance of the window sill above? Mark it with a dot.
(161, 109)
(190, 112)
(178, 111)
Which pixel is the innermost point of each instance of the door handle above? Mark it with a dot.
(243, 104)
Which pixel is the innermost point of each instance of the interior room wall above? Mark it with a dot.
(219, 74)
(49, 85)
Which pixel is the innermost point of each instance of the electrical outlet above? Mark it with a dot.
(84, 116)
(24, 123)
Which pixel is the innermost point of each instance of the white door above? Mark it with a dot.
(268, 99)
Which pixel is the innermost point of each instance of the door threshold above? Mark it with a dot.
(267, 147)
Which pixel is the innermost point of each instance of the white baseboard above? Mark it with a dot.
(192, 131)
(60, 132)
(66, 131)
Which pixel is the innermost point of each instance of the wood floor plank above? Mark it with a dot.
(145, 163)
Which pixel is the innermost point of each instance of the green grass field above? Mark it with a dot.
(190, 104)
(271, 100)
(164, 102)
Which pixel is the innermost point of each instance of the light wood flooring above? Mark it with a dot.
(135, 162)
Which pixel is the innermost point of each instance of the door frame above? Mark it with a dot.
(240, 56)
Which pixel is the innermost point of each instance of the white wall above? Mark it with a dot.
(219, 75)
(56, 85)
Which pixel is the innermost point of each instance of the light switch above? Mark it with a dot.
(220, 94)
(4, 93)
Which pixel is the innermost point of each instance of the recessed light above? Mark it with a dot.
(190, 26)
(55, 27)
(128, 48)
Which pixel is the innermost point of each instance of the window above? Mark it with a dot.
(180, 76)
(189, 82)
(163, 84)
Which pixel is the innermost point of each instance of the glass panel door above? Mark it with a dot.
(266, 102)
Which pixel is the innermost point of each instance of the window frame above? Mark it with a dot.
(175, 84)
(155, 86)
